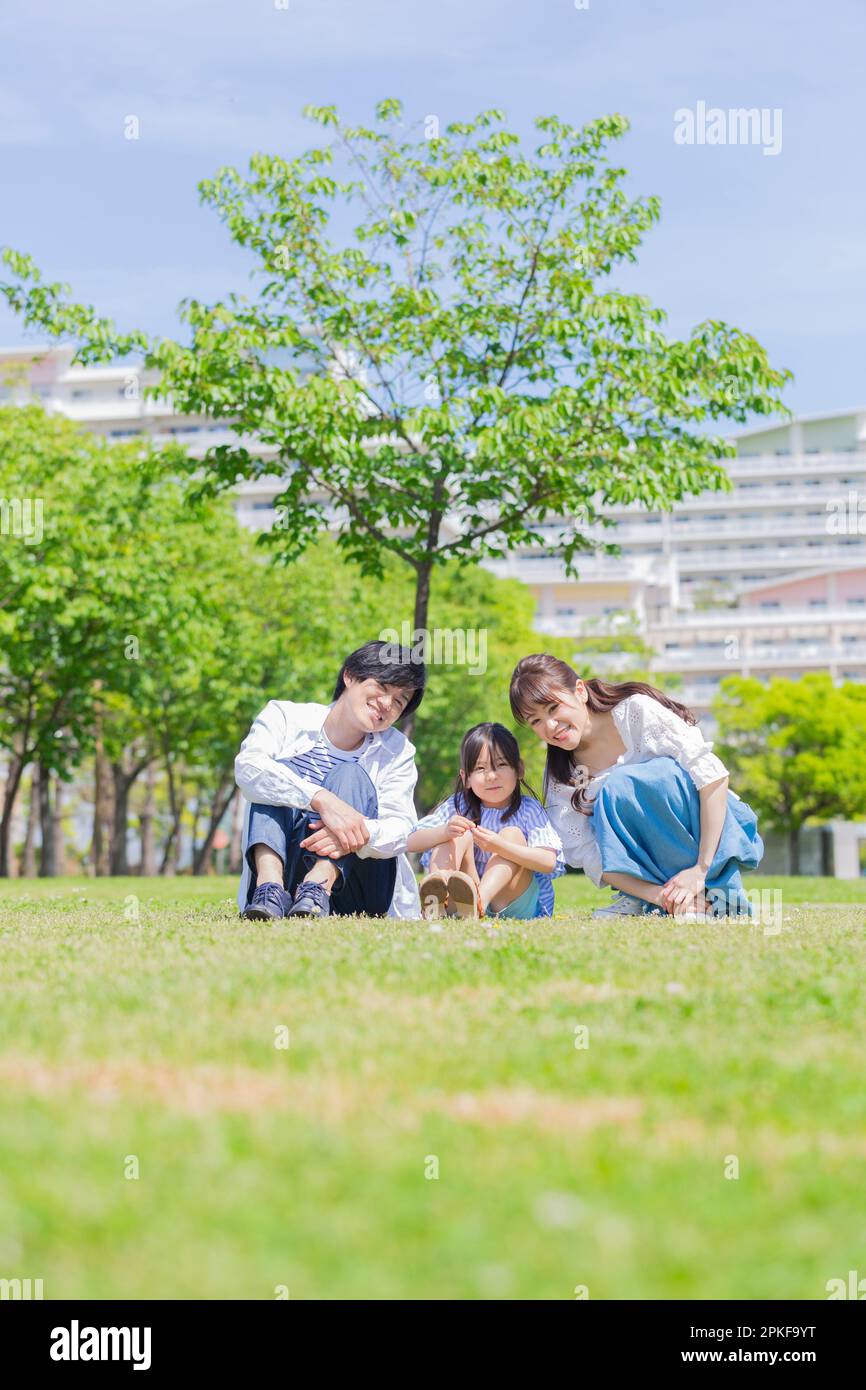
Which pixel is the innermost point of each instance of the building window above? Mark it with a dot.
(817, 603)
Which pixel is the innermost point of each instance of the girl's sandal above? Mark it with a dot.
(433, 889)
(462, 895)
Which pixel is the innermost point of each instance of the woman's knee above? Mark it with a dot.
(629, 780)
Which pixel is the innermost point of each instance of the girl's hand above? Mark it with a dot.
(683, 888)
(487, 840)
(457, 826)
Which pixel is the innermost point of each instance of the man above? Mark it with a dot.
(331, 789)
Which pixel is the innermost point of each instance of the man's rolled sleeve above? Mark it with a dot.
(259, 775)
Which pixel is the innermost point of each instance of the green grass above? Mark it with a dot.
(305, 1167)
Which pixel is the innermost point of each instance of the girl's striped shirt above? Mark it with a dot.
(531, 818)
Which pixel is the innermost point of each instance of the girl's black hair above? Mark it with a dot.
(497, 739)
(388, 663)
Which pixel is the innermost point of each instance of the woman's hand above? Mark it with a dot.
(681, 890)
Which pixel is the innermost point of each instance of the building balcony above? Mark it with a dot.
(538, 568)
(737, 619)
(792, 557)
(783, 466)
(786, 654)
(698, 529)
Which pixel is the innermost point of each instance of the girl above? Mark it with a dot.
(636, 793)
(490, 848)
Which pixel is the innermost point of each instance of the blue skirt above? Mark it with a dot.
(647, 821)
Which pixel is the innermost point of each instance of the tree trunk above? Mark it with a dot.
(121, 782)
(28, 857)
(59, 846)
(193, 834)
(171, 851)
(146, 825)
(14, 773)
(218, 809)
(102, 817)
(46, 827)
(794, 850)
(422, 608)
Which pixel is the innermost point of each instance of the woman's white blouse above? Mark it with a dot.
(648, 730)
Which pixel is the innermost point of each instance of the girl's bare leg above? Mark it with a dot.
(452, 854)
(502, 880)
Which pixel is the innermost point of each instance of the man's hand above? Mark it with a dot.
(340, 828)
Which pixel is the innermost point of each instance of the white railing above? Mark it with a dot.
(795, 463)
(696, 528)
(823, 653)
(770, 556)
(732, 618)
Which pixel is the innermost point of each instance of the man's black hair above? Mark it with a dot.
(388, 663)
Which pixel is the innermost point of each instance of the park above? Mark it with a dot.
(528, 963)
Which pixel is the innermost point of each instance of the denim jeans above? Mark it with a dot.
(364, 887)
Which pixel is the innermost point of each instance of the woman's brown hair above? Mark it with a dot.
(536, 681)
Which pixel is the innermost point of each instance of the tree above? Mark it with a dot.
(457, 376)
(65, 593)
(797, 749)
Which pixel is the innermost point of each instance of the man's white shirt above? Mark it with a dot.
(285, 730)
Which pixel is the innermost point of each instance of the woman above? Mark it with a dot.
(638, 797)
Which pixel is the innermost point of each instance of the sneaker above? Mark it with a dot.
(622, 905)
(311, 900)
(268, 901)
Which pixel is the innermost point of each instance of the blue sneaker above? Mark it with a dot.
(270, 900)
(311, 900)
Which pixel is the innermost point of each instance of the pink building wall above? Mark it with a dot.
(835, 587)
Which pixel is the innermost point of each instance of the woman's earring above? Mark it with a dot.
(580, 776)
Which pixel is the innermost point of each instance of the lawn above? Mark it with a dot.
(139, 1030)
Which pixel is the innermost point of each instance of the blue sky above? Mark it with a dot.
(774, 244)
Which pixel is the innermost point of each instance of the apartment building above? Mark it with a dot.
(769, 577)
